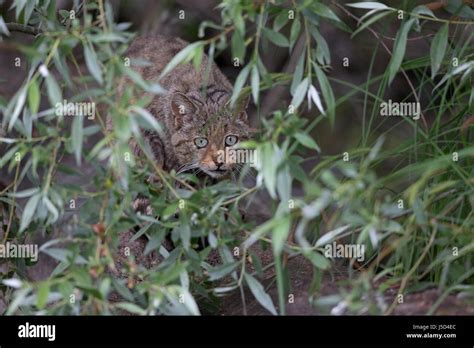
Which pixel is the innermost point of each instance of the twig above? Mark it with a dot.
(26, 29)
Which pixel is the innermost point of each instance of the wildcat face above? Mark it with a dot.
(203, 131)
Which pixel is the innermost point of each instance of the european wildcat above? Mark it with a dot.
(197, 121)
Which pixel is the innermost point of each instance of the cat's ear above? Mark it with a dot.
(240, 108)
(182, 106)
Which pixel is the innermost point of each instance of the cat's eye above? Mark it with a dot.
(231, 140)
(200, 142)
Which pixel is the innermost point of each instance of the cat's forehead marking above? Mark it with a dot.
(217, 118)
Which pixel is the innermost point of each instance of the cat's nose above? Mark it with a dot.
(219, 165)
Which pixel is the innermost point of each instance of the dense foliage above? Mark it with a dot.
(416, 220)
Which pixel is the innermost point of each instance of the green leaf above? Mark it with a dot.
(54, 93)
(122, 289)
(331, 235)
(51, 208)
(438, 49)
(298, 74)
(155, 241)
(131, 308)
(260, 231)
(238, 46)
(368, 22)
(33, 97)
(19, 102)
(369, 5)
(29, 211)
(92, 63)
(324, 11)
(197, 59)
(259, 293)
(25, 193)
(280, 20)
(148, 118)
(185, 54)
(295, 32)
(313, 95)
(283, 185)
(77, 136)
(323, 55)
(107, 37)
(423, 10)
(305, 140)
(42, 295)
(239, 84)
(276, 37)
(255, 82)
(399, 49)
(327, 92)
(300, 93)
(280, 234)
(221, 271)
(185, 232)
(64, 255)
(269, 167)
(3, 27)
(317, 259)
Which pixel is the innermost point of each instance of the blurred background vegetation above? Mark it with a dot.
(332, 168)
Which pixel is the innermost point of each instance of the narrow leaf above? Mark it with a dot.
(300, 93)
(183, 55)
(29, 211)
(259, 292)
(255, 81)
(33, 97)
(305, 140)
(77, 136)
(92, 63)
(399, 49)
(438, 49)
(276, 37)
(324, 11)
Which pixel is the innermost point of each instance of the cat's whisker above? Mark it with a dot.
(187, 167)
